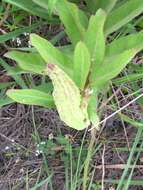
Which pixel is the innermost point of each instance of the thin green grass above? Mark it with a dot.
(129, 162)
(46, 168)
(17, 32)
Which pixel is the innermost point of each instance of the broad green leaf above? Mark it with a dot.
(95, 40)
(112, 67)
(73, 19)
(47, 4)
(81, 64)
(31, 97)
(92, 109)
(125, 43)
(29, 6)
(122, 15)
(106, 5)
(51, 54)
(28, 61)
(67, 98)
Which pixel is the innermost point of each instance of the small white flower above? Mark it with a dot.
(43, 142)
(12, 140)
(18, 41)
(26, 34)
(17, 160)
(21, 170)
(38, 152)
(51, 136)
(7, 148)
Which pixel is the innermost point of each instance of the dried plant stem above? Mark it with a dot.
(88, 158)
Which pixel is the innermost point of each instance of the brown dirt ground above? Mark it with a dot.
(17, 147)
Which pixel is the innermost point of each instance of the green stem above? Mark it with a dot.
(88, 158)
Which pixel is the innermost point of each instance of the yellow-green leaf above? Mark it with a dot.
(112, 66)
(67, 98)
(73, 19)
(95, 39)
(125, 43)
(81, 64)
(32, 62)
(51, 54)
(122, 15)
(31, 97)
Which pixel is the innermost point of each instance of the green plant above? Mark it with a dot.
(75, 78)
(80, 74)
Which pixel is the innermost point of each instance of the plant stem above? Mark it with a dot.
(88, 158)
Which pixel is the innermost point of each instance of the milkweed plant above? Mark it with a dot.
(79, 72)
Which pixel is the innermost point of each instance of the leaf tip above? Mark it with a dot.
(7, 54)
(33, 36)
